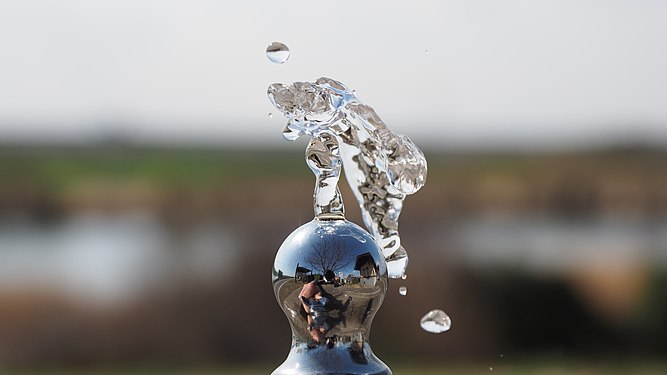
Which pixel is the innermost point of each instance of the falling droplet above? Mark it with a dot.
(403, 290)
(490, 368)
(354, 92)
(436, 321)
(405, 276)
(277, 52)
(427, 51)
(270, 115)
(502, 356)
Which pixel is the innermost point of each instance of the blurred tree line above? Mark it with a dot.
(264, 195)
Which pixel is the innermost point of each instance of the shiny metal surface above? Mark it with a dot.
(330, 278)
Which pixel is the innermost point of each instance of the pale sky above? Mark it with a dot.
(528, 73)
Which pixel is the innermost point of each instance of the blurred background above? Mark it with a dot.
(145, 186)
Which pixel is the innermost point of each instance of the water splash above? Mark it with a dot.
(436, 321)
(403, 290)
(277, 52)
(381, 167)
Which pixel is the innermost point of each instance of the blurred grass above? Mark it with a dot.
(53, 181)
(62, 167)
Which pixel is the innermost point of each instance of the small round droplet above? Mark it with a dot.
(502, 356)
(270, 115)
(403, 290)
(490, 368)
(436, 321)
(277, 52)
(354, 92)
(427, 51)
(405, 276)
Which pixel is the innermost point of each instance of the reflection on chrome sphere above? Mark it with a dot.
(330, 278)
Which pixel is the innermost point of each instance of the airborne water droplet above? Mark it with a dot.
(270, 115)
(277, 52)
(427, 51)
(403, 290)
(405, 276)
(436, 321)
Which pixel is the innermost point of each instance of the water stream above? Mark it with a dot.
(381, 167)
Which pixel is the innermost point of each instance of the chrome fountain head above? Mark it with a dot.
(330, 279)
(330, 275)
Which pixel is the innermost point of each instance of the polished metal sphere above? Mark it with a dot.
(330, 279)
